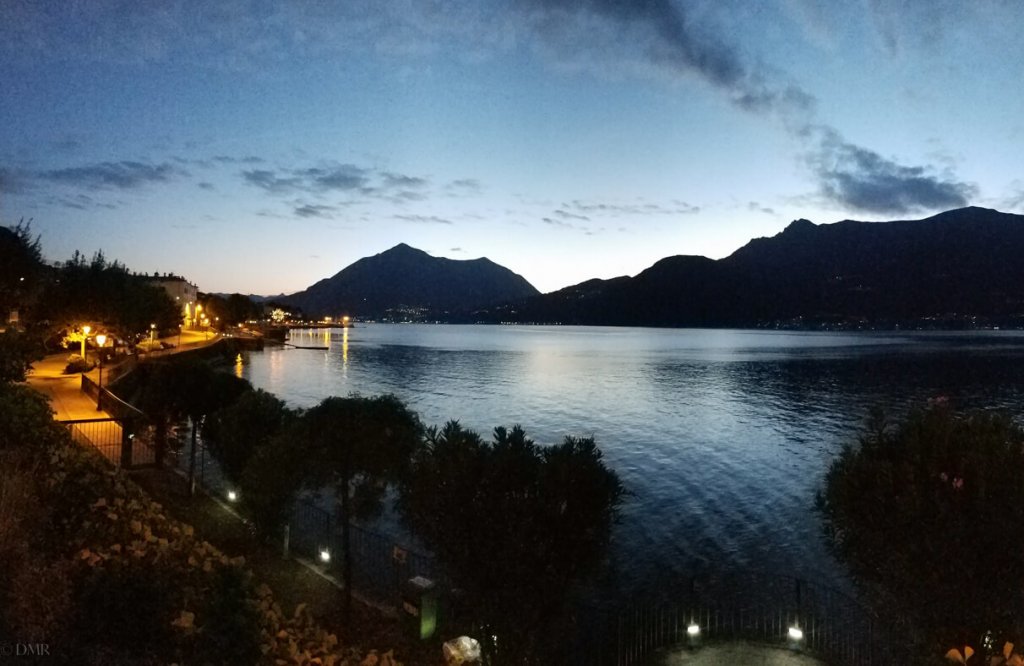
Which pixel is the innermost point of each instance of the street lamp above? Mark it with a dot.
(152, 334)
(85, 336)
(100, 341)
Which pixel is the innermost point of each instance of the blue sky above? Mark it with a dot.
(260, 146)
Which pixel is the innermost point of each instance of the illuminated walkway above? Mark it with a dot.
(735, 654)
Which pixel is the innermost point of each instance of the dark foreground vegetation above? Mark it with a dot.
(928, 513)
(92, 571)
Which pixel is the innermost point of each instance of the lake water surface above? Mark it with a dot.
(722, 436)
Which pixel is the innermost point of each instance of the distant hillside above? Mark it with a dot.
(404, 281)
(940, 271)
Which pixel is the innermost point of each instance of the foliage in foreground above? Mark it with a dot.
(94, 568)
(929, 513)
(518, 527)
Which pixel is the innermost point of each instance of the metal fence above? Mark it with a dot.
(381, 563)
(780, 611)
(125, 443)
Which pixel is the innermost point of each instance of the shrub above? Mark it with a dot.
(929, 512)
(77, 364)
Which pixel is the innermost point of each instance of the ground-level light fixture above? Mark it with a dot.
(232, 496)
(693, 634)
(325, 555)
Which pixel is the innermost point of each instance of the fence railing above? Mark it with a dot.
(780, 611)
(125, 443)
(381, 563)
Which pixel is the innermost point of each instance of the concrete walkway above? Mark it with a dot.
(65, 391)
(735, 654)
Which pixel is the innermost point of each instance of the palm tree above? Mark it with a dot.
(358, 445)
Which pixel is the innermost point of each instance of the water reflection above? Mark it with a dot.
(722, 436)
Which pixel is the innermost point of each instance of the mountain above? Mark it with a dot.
(405, 282)
(941, 271)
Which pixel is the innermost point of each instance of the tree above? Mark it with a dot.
(183, 389)
(107, 294)
(928, 514)
(518, 527)
(235, 433)
(357, 446)
(21, 266)
(17, 353)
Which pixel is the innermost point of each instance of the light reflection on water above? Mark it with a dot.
(723, 437)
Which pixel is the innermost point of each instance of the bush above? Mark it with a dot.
(77, 364)
(929, 512)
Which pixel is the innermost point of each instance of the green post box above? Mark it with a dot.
(419, 601)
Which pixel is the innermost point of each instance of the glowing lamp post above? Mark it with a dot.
(152, 334)
(85, 336)
(100, 341)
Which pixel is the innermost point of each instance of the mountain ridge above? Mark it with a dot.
(405, 282)
(949, 267)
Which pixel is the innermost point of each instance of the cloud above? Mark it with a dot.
(125, 175)
(595, 208)
(348, 179)
(228, 159)
(314, 210)
(343, 177)
(565, 215)
(13, 181)
(270, 181)
(464, 186)
(80, 202)
(659, 36)
(205, 186)
(758, 208)
(398, 180)
(862, 180)
(422, 219)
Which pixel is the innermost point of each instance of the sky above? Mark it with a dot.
(258, 146)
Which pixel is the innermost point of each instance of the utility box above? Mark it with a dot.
(419, 603)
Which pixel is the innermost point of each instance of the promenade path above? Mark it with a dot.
(734, 654)
(65, 391)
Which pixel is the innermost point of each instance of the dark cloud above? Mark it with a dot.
(348, 179)
(397, 180)
(312, 210)
(125, 175)
(862, 180)
(565, 215)
(464, 186)
(270, 181)
(80, 202)
(342, 177)
(248, 159)
(422, 219)
(206, 186)
(456, 249)
(758, 208)
(13, 181)
(663, 35)
(594, 208)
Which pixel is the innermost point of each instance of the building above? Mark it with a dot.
(182, 292)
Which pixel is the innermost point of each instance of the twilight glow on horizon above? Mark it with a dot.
(258, 147)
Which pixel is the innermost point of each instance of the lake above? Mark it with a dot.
(723, 437)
